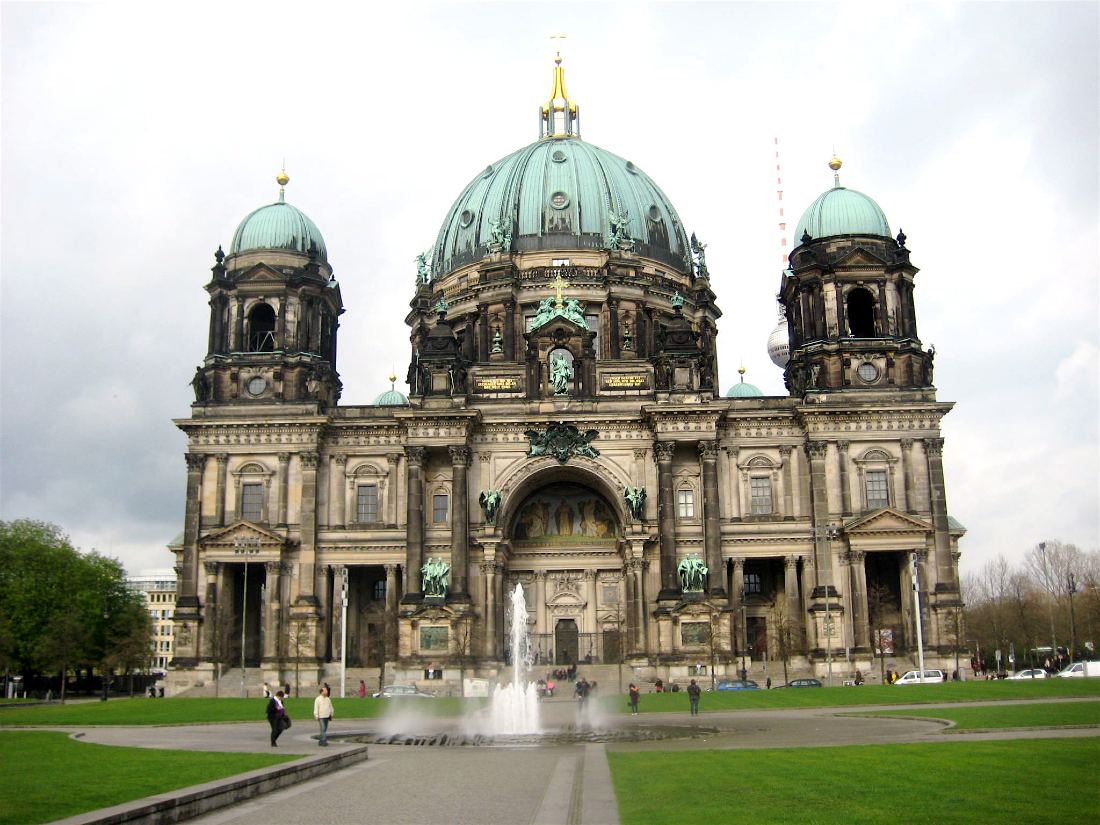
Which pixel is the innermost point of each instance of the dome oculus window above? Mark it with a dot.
(257, 385)
(631, 168)
(466, 218)
(559, 200)
(867, 372)
(558, 156)
(654, 213)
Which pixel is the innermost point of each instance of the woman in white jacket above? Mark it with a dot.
(323, 712)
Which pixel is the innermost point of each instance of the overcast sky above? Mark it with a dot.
(135, 137)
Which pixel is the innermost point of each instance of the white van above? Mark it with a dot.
(912, 677)
(1079, 670)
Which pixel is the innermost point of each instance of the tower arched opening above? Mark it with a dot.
(861, 313)
(261, 328)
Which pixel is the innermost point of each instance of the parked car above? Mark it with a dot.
(402, 692)
(1030, 673)
(738, 684)
(1079, 670)
(912, 677)
(802, 683)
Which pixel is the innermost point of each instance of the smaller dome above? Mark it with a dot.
(743, 390)
(391, 398)
(278, 226)
(841, 211)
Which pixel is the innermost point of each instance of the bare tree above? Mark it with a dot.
(1048, 564)
(880, 603)
(789, 635)
(301, 644)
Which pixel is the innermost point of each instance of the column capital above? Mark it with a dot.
(856, 556)
(640, 452)
(785, 450)
(273, 567)
(196, 462)
(636, 565)
(487, 567)
(789, 562)
(309, 460)
(955, 556)
(933, 446)
(738, 564)
(223, 458)
(211, 567)
(339, 459)
(708, 450)
(589, 575)
(337, 568)
(906, 443)
(460, 455)
(816, 449)
(843, 445)
(391, 569)
(415, 455)
(540, 575)
(663, 450)
(284, 458)
(393, 458)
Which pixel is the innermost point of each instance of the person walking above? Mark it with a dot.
(323, 713)
(362, 689)
(276, 714)
(693, 697)
(634, 694)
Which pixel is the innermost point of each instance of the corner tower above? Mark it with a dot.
(848, 299)
(274, 305)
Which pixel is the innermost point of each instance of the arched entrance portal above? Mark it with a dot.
(565, 541)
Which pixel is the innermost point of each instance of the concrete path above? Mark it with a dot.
(562, 785)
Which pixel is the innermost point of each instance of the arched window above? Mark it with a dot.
(261, 328)
(861, 313)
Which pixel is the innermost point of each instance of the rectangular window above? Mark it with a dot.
(752, 584)
(877, 492)
(252, 502)
(439, 508)
(610, 594)
(559, 262)
(379, 593)
(366, 503)
(685, 503)
(761, 496)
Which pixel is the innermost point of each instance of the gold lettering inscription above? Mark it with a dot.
(628, 382)
(496, 384)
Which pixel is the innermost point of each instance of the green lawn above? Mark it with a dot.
(864, 695)
(48, 776)
(198, 711)
(1052, 715)
(958, 782)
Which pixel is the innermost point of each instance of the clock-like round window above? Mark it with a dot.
(257, 385)
(559, 200)
(558, 156)
(867, 372)
(466, 218)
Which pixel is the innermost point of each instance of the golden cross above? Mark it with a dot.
(559, 284)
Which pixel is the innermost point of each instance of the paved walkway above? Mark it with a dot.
(561, 785)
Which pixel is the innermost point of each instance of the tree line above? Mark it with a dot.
(1049, 600)
(62, 611)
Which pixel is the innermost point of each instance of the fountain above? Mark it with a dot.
(514, 708)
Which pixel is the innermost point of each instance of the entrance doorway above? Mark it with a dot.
(566, 642)
(756, 632)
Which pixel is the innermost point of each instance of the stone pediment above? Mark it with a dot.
(859, 256)
(243, 534)
(694, 610)
(260, 273)
(888, 521)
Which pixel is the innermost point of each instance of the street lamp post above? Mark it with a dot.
(745, 630)
(916, 600)
(1053, 638)
(343, 629)
(245, 547)
(1071, 588)
(103, 675)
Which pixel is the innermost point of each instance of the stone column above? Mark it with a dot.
(338, 489)
(482, 332)
(613, 327)
(187, 605)
(666, 519)
(307, 551)
(858, 586)
(735, 481)
(790, 587)
(211, 607)
(590, 603)
(337, 611)
(788, 483)
(489, 612)
(712, 536)
(460, 524)
(272, 604)
(737, 597)
(937, 497)
(510, 329)
(540, 602)
(817, 450)
(910, 505)
(636, 567)
(392, 493)
(283, 482)
(391, 612)
(845, 484)
(414, 529)
(219, 495)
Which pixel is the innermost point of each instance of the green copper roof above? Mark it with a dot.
(391, 398)
(742, 389)
(841, 211)
(278, 226)
(555, 194)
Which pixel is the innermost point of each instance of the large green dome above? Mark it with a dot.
(278, 226)
(841, 211)
(556, 195)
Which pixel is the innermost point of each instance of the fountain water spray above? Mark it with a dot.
(515, 706)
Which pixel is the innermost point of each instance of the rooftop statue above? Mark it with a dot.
(574, 311)
(699, 250)
(635, 499)
(441, 306)
(423, 269)
(677, 301)
(618, 238)
(545, 313)
(500, 237)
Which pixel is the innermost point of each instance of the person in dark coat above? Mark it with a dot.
(693, 697)
(634, 693)
(276, 713)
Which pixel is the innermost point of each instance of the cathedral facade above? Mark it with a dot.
(564, 433)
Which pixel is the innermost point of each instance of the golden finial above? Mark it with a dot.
(282, 179)
(835, 163)
(559, 113)
(741, 372)
(393, 378)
